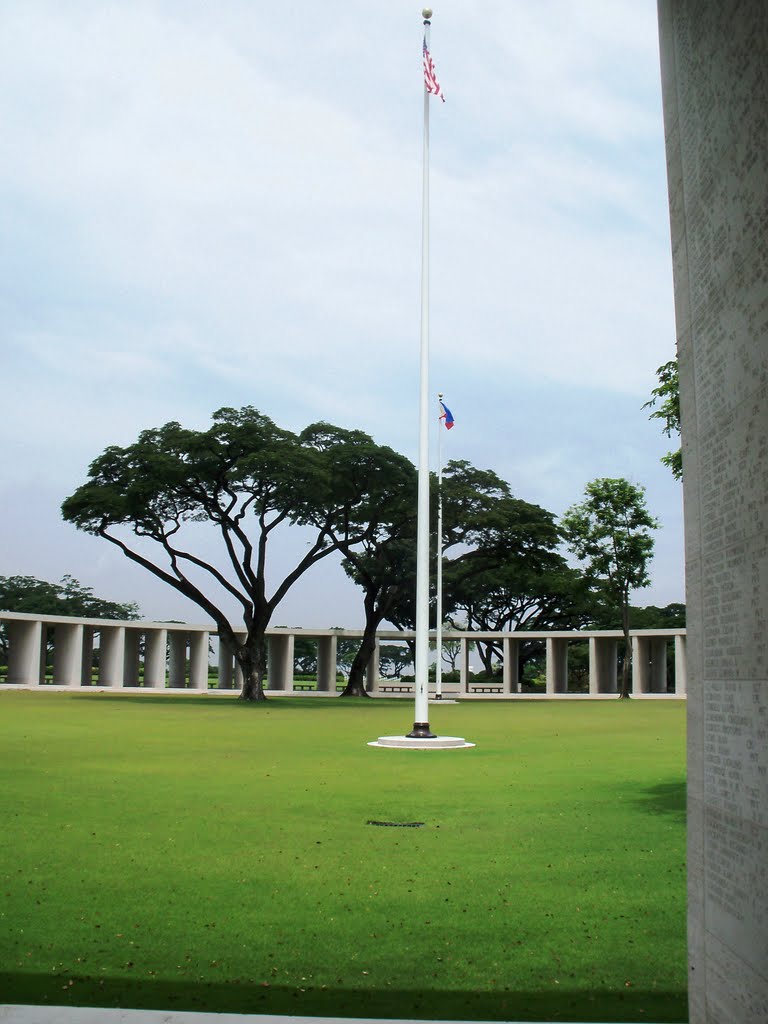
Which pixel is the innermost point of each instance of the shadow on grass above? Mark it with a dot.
(667, 798)
(213, 699)
(247, 996)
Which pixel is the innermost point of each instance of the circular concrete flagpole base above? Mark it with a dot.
(421, 743)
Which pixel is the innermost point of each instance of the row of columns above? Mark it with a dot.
(649, 665)
(178, 658)
(280, 665)
(175, 658)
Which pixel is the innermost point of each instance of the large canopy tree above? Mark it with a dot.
(508, 573)
(385, 570)
(245, 477)
(382, 561)
(609, 533)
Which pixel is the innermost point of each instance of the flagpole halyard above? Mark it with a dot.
(439, 580)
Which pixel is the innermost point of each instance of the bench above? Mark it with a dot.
(303, 686)
(396, 687)
(486, 688)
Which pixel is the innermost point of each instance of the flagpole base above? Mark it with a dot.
(421, 743)
(421, 731)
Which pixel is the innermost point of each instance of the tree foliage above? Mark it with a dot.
(609, 533)
(667, 396)
(383, 565)
(69, 597)
(507, 572)
(246, 478)
(393, 658)
(670, 616)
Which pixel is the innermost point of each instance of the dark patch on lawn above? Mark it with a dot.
(397, 824)
(665, 798)
(257, 995)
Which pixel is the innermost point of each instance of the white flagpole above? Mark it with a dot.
(421, 685)
(439, 609)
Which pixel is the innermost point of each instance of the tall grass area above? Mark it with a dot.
(195, 853)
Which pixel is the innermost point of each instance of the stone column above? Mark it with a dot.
(603, 665)
(557, 664)
(177, 659)
(658, 646)
(326, 663)
(86, 671)
(68, 654)
(715, 97)
(511, 660)
(681, 667)
(46, 633)
(111, 655)
(226, 665)
(641, 665)
(155, 644)
(372, 670)
(198, 660)
(25, 666)
(464, 666)
(280, 662)
(131, 657)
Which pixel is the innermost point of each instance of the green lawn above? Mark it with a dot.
(196, 853)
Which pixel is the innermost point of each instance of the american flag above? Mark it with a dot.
(430, 78)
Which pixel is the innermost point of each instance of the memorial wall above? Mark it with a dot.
(714, 59)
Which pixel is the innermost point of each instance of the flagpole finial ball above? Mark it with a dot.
(426, 13)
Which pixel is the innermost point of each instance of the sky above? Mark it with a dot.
(208, 205)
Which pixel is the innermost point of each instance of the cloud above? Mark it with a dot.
(221, 206)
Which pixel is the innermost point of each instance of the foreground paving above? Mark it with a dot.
(95, 1015)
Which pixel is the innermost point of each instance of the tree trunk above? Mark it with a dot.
(374, 614)
(356, 683)
(624, 692)
(252, 658)
(486, 652)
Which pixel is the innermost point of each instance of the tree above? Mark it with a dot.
(69, 597)
(671, 616)
(305, 655)
(451, 649)
(393, 658)
(245, 477)
(509, 573)
(608, 532)
(667, 394)
(379, 560)
(346, 651)
(384, 565)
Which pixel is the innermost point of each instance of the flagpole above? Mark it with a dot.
(439, 602)
(421, 737)
(421, 685)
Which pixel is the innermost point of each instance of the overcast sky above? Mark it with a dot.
(209, 205)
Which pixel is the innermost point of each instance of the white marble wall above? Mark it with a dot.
(715, 86)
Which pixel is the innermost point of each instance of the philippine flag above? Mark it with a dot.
(447, 416)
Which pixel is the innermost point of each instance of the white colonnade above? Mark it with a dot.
(78, 653)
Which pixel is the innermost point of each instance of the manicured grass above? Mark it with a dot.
(195, 853)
